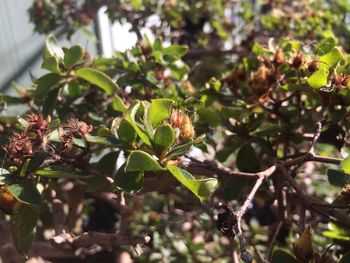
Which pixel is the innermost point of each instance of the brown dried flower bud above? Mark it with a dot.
(303, 247)
(279, 57)
(19, 147)
(298, 60)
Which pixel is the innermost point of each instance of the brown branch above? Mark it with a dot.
(88, 240)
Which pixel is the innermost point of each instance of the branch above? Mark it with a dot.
(105, 241)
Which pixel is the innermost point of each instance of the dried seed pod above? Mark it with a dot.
(298, 60)
(226, 221)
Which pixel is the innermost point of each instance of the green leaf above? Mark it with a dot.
(157, 44)
(337, 178)
(74, 88)
(247, 160)
(130, 117)
(52, 48)
(325, 46)
(137, 4)
(23, 225)
(50, 102)
(345, 258)
(345, 165)
(119, 105)
(159, 110)
(130, 182)
(164, 138)
(45, 83)
(109, 141)
(175, 50)
(126, 132)
(51, 64)
(202, 188)
(209, 116)
(73, 55)
(26, 192)
(97, 78)
(181, 148)
(141, 161)
(336, 232)
(279, 256)
(49, 173)
(318, 79)
(330, 59)
(107, 163)
(36, 161)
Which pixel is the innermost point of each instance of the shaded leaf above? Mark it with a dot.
(247, 160)
(128, 181)
(107, 163)
(337, 178)
(164, 138)
(26, 192)
(282, 256)
(23, 225)
(126, 132)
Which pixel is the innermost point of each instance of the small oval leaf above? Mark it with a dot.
(97, 78)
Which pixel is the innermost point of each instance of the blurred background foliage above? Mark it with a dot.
(253, 76)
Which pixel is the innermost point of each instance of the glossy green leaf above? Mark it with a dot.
(318, 79)
(118, 104)
(175, 50)
(330, 59)
(164, 138)
(73, 55)
(130, 116)
(126, 132)
(130, 182)
(23, 225)
(141, 161)
(97, 78)
(26, 192)
(325, 46)
(202, 188)
(337, 178)
(159, 110)
(345, 165)
(280, 256)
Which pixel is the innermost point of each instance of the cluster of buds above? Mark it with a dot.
(340, 81)
(73, 128)
(182, 122)
(24, 145)
(19, 147)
